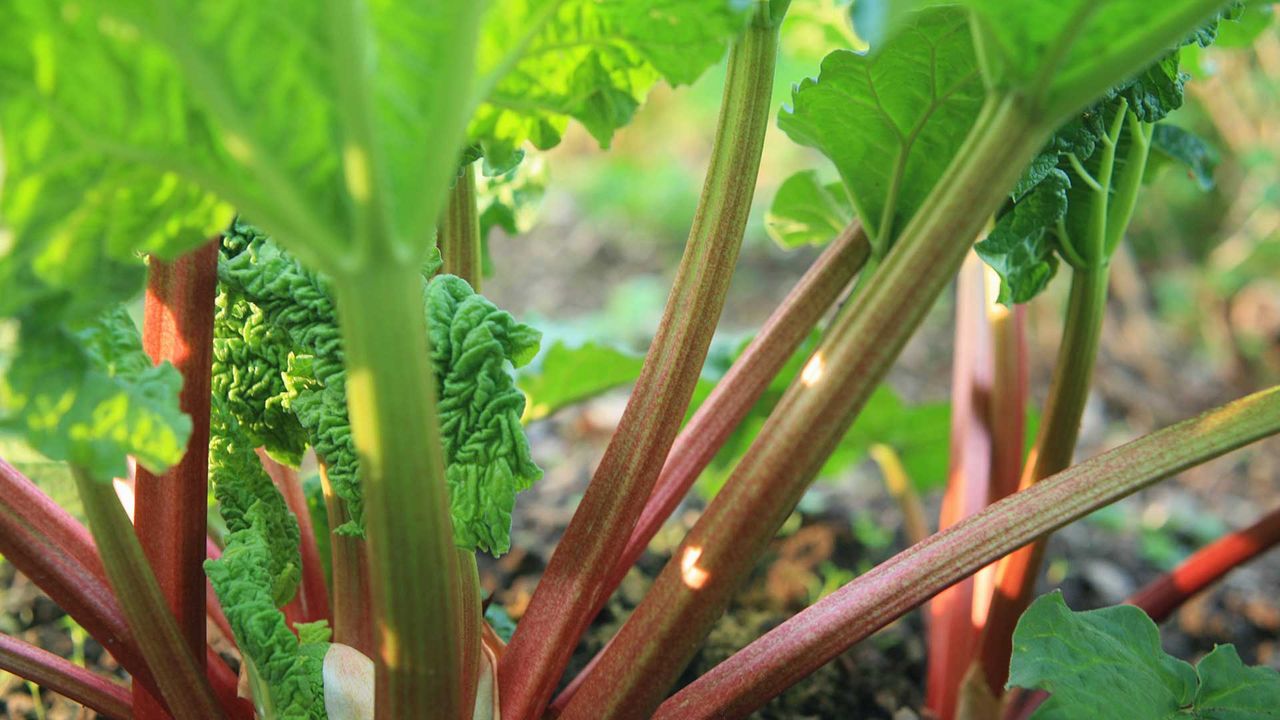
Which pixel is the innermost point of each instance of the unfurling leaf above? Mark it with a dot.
(292, 334)
(1108, 663)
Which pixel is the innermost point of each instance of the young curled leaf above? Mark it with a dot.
(487, 458)
(1020, 248)
(241, 485)
(285, 673)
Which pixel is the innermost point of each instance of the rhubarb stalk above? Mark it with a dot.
(572, 586)
(798, 647)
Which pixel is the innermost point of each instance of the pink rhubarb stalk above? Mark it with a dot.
(810, 639)
(951, 632)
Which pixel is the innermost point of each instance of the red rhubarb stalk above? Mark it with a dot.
(813, 637)
(171, 510)
(57, 553)
(574, 583)
(62, 676)
(1168, 592)
(951, 633)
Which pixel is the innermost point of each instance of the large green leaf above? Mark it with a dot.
(807, 211)
(1108, 663)
(1062, 54)
(91, 397)
(892, 121)
(325, 121)
(543, 62)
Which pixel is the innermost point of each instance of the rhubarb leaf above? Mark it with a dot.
(1173, 144)
(806, 211)
(891, 121)
(1109, 663)
(567, 374)
(1020, 248)
(543, 62)
(90, 396)
(240, 485)
(313, 125)
(487, 459)
(474, 347)
(285, 673)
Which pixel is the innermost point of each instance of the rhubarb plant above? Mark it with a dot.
(307, 189)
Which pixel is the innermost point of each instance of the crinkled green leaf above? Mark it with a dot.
(91, 397)
(546, 61)
(285, 673)
(1173, 144)
(474, 347)
(249, 357)
(892, 121)
(487, 459)
(566, 375)
(1156, 91)
(1020, 248)
(1108, 663)
(240, 484)
(1253, 20)
(806, 211)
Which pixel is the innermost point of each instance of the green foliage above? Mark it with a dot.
(806, 211)
(1108, 663)
(292, 345)
(487, 458)
(285, 672)
(566, 375)
(90, 396)
(891, 121)
(509, 201)
(1019, 248)
(546, 61)
(1171, 144)
(241, 485)
(148, 111)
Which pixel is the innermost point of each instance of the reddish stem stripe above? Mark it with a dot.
(804, 643)
(1208, 565)
(170, 510)
(57, 553)
(576, 579)
(62, 676)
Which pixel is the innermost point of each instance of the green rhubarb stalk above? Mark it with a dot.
(419, 592)
(180, 678)
(578, 574)
(460, 230)
(640, 665)
(1069, 390)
